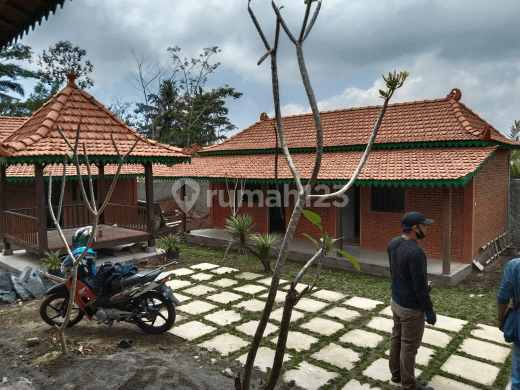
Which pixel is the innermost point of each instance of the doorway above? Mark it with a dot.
(277, 211)
(350, 215)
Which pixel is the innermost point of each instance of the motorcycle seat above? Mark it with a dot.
(117, 285)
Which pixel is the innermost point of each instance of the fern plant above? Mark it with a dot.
(51, 260)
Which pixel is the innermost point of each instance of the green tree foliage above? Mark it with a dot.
(515, 154)
(180, 111)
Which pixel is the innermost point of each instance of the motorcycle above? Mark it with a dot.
(142, 298)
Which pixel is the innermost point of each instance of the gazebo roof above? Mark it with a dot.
(9, 124)
(39, 141)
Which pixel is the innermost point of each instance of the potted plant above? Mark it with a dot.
(52, 261)
(169, 244)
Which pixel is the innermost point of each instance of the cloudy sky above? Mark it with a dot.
(472, 45)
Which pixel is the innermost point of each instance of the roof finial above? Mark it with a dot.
(72, 76)
(455, 94)
(264, 117)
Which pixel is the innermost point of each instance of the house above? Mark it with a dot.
(36, 149)
(434, 156)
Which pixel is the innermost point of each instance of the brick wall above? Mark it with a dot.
(491, 199)
(379, 228)
(20, 195)
(221, 211)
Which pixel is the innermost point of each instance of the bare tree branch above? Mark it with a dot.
(286, 29)
(313, 20)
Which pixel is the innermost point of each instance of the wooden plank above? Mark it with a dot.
(183, 197)
(41, 213)
(3, 205)
(148, 178)
(446, 239)
(101, 189)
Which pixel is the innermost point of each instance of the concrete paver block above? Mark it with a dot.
(225, 344)
(343, 313)
(277, 315)
(278, 298)
(434, 337)
(196, 307)
(299, 287)
(356, 385)
(362, 303)
(382, 324)
(250, 289)
(264, 358)
(204, 266)
(298, 341)
(379, 370)
(440, 383)
(182, 298)
(178, 284)
(387, 311)
(327, 295)
(448, 323)
(202, 276)
(199, 290)
(308, 376)
(323, 326)
(267, 281)
(179, 318)
(224, 270)
(311, 305)
(225, 282)
(225, 297)
(251, 305)
(191, 330)
(484, 350)
(491, 333)
(181, 272)
(471, 369)
(423, 357)
(223, 317)
(338, 356)
(249, 328)
(362, 338)
(248, 276)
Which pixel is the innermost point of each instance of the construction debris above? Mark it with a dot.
(29, 285)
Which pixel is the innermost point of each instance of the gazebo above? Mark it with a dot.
(38, 146)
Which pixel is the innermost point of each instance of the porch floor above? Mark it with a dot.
(371, 262)
(112, 236)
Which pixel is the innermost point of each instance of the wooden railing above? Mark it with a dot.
(21, 227)
(75, 215)
(131, 217)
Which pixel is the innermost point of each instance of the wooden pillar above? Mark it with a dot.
(150, 220)
(3, 205)
(446, 229)
(468, 222)
(101, 189)
(41, 212)
(183, 197)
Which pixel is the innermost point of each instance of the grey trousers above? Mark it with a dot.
(406, 338)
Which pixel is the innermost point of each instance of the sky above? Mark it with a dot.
(472, 45)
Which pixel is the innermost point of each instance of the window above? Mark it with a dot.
(388, 199)
(252, 193)
(76, 191)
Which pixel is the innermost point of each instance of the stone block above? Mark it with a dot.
(20, 289)
(250, 289)
(249, 328)
(204, 266)
(323, 326)
(337, 356)
(361, 338)
(264, 358)
(471, 369)
(379, 370)
(25, 274)
(362, 303)
(440, 383)
(225, 297)
(434, 337)
(196, 307)
(191, 330)
(225, 282)
(199, 290)
(484, 350)
(248, 276)
(225, 344)
(311, 305)
(223, 317)
(309, 377)
(356, 385)
(298, 341)
(202, 276)
(491, 333)
(277, 315)
(343, 314)
(382, 324)
(327, 295)
(251, 305)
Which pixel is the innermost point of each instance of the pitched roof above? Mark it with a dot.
(453, 165)
(18, 16)
(441, 121)
(38, 139)
(8, 124)
(24, 172)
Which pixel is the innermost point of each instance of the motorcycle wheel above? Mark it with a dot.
(161, 313)
(55, 306)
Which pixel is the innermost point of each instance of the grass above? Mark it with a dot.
(449, 301)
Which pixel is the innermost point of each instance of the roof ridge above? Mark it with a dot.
(456, 108)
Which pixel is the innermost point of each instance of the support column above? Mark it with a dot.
(3, 207)
(183, 197)
(446, 229)
(468, 217)
(150, 220)
(101, 189)
(41, 212)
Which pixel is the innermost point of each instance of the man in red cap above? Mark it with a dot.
(411, 304)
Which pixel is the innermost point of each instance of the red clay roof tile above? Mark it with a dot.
(8, 124)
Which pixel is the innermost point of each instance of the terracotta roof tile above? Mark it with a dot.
(56, 170)
(68, 108)
(8, 124)
(395, 164)
(424, 121)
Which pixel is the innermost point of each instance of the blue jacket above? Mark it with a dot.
(510, 288)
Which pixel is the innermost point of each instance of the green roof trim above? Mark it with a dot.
(403, 145)
(463, 181)
(28, 179)
(58, 159)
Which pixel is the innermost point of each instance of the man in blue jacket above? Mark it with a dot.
(410, 301)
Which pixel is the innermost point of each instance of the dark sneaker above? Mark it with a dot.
(425, 388)
(396, 379)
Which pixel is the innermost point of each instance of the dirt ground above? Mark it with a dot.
(154, 361)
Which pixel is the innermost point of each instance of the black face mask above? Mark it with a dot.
(421, 234)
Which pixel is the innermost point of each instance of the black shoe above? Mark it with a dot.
(425, 388)
(396, 379)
